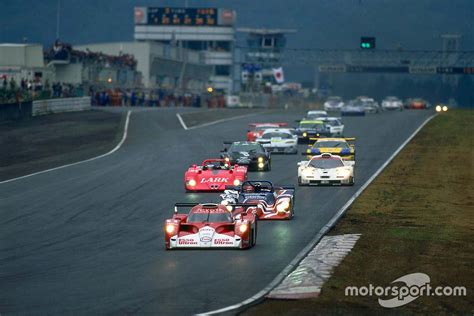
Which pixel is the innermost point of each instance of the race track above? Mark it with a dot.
(88, 239)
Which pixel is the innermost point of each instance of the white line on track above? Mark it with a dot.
(181, 121)
(124, 136)
(294, 263)
(213, 122)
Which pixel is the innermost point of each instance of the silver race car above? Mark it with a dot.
(279, 140)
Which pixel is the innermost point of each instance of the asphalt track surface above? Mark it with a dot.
(88, 239)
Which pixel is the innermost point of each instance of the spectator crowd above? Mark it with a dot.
(138, 97)
(64, 51)
(27, 90)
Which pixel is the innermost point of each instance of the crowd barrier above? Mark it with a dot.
(43, 107)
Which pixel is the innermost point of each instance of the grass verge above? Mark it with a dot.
(417, 216)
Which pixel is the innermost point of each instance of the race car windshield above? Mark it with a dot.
(334, 100)
(330, 144)
(209, 217)
(276, 135)
(391, 99)
(217, 165)
(333, 123)
(312, 125)
(326, 163)
(246, 148)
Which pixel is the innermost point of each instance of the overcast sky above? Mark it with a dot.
(414, 24)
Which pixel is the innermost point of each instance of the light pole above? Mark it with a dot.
(58, 9)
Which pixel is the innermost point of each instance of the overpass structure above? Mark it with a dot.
(427, 62)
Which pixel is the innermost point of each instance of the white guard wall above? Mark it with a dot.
(43, 107)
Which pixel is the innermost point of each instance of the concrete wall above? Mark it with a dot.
(22, 55)
(69, 73)
(141, 51)
(43, 107)
(160, 64)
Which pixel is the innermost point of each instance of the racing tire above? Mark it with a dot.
(299, 182)
(254, 235)
(269, 165)
(351, 181)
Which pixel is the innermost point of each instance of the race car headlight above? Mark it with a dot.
(192, 182)
(236, 182)
(283, 206)
(445, 108)
(261, 165)
(260, 159)
(243, 228)
(307, 172)
(438, 108)
(170, 228)
(229, 208)
(227, 159)
(305, 134)
(343, 173)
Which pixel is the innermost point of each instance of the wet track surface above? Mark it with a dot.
(89, 238)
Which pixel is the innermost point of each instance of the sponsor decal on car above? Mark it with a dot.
(187, 242)
(222, 241)
(215, 180)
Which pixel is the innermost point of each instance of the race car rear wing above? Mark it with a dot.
(210, 205)
(238, 187)
(276, 124)
(350, 140)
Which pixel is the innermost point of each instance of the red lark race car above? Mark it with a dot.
(213, 175)
(210, 225)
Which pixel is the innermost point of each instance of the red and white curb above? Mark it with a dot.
(308, 278)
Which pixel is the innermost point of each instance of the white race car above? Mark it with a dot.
(311, 115)
(325, 169)
(334, 125)
(333, 104)
(279, 140)
(392, 103)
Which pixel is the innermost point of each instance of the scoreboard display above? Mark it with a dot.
(168, 16)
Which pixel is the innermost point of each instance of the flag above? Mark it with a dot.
(278, 74)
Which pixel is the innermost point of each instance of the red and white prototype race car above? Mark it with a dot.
(256, 129)
(211, 226)
(273, 202)
(213, 175)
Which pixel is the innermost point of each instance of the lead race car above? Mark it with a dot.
(213, 175)
(250, 154)
(273, 202)
(279, 140)
(209, 225)
(325, 169)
